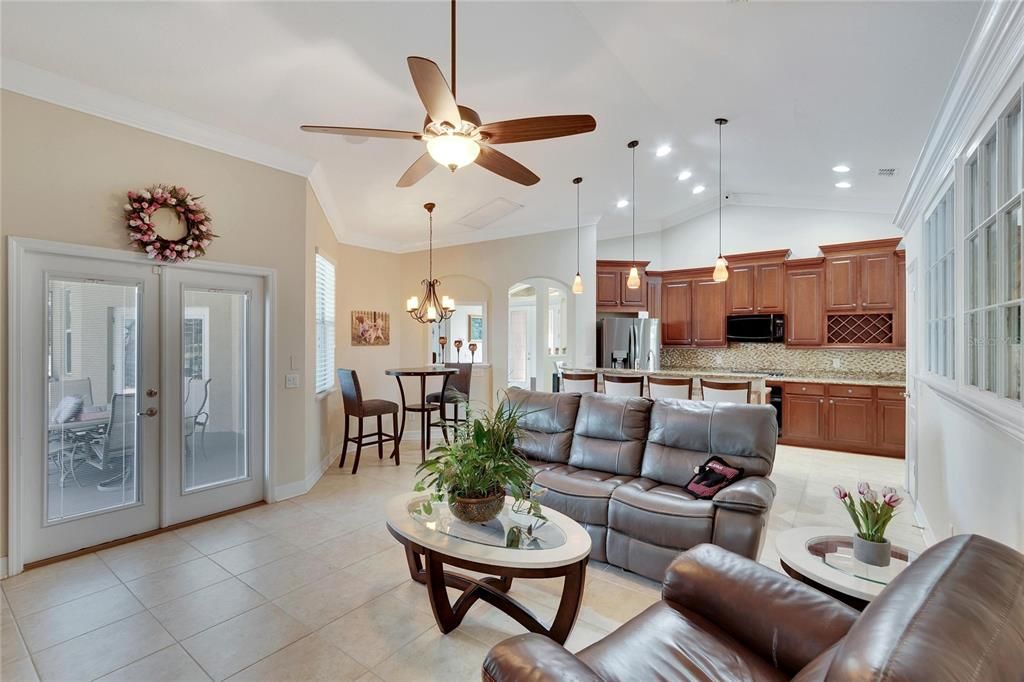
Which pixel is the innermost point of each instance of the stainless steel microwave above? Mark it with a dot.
(756, 328)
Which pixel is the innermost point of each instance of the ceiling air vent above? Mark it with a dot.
(887, 172)
(490, 212)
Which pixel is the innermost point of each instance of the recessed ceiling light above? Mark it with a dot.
(663, 150)
(622, 203)
(698, 189)
(841, 168)
(843, 185)
(685, 175)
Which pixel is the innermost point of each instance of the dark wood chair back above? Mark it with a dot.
(618, 384)
(570, 382)
(460, 382)
(351, 393)
(670, 387)
(725, 391)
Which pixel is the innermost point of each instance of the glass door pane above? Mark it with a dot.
(92, 353)
(214, 388)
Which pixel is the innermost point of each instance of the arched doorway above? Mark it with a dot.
(541, 331)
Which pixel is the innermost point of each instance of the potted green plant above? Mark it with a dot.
(480, 466)
(871, 516)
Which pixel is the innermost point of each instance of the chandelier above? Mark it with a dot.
(431, 308)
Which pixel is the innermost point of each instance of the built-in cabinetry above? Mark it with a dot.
(756, 283)
(692, 308)
(851, 297)
(613, 296)
(868, 419)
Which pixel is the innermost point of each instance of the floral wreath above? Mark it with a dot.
(138, 214)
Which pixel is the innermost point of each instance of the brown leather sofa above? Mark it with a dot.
(957, 613)
(619, 467)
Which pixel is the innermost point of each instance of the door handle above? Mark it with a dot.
(151, 412)
(151, 392)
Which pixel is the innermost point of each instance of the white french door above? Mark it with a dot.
(136, 396)
(214, 453)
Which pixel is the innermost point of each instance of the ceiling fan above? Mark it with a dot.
(454, 135)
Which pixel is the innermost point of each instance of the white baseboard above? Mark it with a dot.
(283, 492)
(3, 567)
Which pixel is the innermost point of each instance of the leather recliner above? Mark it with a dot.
(956, 613)
(619, 466)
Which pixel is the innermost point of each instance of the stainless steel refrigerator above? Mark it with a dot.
(629, 343)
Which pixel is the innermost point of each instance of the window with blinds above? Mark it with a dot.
(324, 377)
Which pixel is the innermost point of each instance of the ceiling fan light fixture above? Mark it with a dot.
(453, 150)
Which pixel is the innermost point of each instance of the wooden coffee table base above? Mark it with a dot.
(427, 566)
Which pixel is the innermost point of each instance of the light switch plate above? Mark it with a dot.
(291, 380)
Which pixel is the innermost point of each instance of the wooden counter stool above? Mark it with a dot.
(579, 382)
(618, 384)
(725, 391)
(676, 388)
(457, 392)
(355, 406)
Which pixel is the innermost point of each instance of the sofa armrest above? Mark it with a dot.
(753, 494)
(534, 658)
(783, 620)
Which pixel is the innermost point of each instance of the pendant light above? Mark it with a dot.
(633, 281)
(432, 308)
(577, 283)
(721, 273)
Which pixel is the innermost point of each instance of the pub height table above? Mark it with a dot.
(422, 407)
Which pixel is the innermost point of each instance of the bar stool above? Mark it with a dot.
(618, 384)
(355, 406)
(579, 382)
(456, 392)
(725, 391)
(676, 388)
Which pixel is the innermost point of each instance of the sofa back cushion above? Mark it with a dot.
(684, 433)
(610, 433)
(956, 613)
(547, 422)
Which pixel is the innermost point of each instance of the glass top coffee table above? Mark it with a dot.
(823, 558)
(511, 546)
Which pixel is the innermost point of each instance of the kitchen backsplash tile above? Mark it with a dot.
(776, 357)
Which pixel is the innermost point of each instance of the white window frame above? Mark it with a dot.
(940, 283)
(325, 322)
(992, 222)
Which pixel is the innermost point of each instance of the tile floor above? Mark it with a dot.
(314, 588)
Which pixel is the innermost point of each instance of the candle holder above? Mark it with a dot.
(458, 350)
(442, 341)
(472, 352)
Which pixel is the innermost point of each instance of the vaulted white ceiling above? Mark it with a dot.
(806, 85)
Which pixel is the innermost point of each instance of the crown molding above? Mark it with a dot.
(994, 51)
(49, 87)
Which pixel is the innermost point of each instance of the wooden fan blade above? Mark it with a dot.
(434, 92)
(363, 132)
(417, 171)
(537, 128)
(506, 167)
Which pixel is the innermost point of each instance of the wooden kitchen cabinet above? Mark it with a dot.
(803, 418)
(805, 311)
(860, 277)
(708, 313)
(654, 296)
(756, 282)
(676, 307)
(851, 422)
(612, 293)
(846, 417)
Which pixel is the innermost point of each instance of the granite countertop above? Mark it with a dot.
(866, 379)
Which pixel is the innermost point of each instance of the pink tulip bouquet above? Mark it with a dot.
(872, 514)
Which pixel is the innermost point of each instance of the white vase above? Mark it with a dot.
(873, 553)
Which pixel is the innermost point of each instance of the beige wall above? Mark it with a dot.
(64, 178)
(364, 280)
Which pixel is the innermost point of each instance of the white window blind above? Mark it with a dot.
(324, 324)
(940, 285)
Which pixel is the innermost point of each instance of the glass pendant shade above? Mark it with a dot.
(633, 281)
(453, 150)
(721, 273)
(577, 284)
